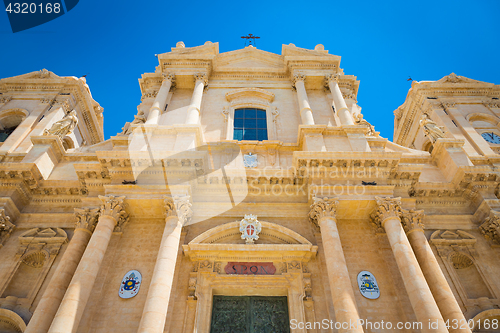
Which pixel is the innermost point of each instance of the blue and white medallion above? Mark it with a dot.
(130, 285)
(368, 285)
(250, 160)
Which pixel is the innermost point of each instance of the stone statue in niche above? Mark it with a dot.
(63, 127)
(431, 129)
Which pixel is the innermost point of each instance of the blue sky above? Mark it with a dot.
(382, 43)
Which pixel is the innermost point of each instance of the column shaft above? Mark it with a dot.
(159, 103)
(193, 114)
(73, 304)
(339, 103)
(155, 309)
(424, 305)
(304, 107)
(340, 283)
(51, 299)
(450, 310)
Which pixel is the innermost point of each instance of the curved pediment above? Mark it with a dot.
(229, 233)
(274, 244)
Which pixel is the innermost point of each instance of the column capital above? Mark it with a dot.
(6, 227)
(114, 207)
(168, 76)
(412, 220)
(323, 207)
(386, 208)
(298, 77)
(491, 227)
(5, 99)
(86, 218)
(331, 77)
(179, 206)
(201, 77)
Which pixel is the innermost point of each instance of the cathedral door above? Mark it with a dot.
(250, 314)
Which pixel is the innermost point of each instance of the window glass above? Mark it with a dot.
(250, 124)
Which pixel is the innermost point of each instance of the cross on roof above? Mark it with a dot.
(250, 38)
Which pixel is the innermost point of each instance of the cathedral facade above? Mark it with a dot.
(248, 194)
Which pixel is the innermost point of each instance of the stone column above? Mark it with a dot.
(338, 100)
(51, 299)
(6, 227)
(193, 113)
(178, 212)
(75, 299)
(387, 216)
(161, 98)
(448, 305)
(323, 214)
(305, 109)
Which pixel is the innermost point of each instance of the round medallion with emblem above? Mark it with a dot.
(491, 137)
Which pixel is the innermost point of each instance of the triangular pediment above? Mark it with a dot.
(41, 74)
(453, 78)
(249, 58)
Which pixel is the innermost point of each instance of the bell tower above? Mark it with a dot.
(32, 103)
(454, 107)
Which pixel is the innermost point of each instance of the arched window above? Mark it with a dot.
(250, 124)
(9, 120)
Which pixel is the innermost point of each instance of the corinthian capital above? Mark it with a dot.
(6, 227)
(86, 218)
(114, 207)
(331, 77)
(412, 220)
(201, 77)
(491, 227)
(179, 206)
(168, 76)
(322, 208)
(386, 207)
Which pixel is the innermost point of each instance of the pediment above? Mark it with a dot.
(47, 235)
(447, 237)
(249, 59)
(229, 233)
(453, 78)
(275, 242)
(41, 74)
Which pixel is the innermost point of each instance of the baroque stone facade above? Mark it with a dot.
(248, 178)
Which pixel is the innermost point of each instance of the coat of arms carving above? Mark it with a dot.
(250, 228)
(250, 160)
